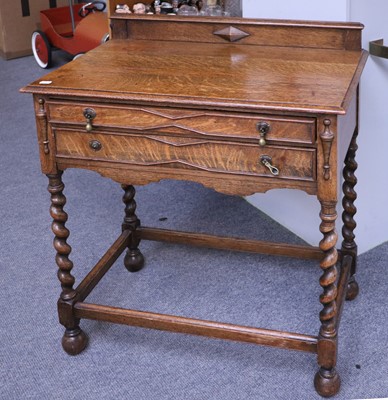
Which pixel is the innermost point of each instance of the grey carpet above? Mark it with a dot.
(133, 363)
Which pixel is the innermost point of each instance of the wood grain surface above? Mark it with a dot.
(215, 76)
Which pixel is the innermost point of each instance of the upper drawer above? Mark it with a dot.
(296, 130)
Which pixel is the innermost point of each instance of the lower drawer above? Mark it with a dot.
(188, 153)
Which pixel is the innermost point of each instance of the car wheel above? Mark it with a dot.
(41, 49)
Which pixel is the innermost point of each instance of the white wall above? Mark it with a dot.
(372, 155)
(298, 211)
(328, 10)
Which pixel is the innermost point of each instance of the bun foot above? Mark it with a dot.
(352, 290)
(74, 341)
(134, 260)
(327, 382)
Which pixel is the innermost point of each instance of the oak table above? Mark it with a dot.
(239, 105)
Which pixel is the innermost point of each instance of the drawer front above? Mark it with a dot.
(187, 153)
(296, 130)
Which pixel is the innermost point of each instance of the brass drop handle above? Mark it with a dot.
(377, 48)
(263, 128)
(89, 114)
(267, 162)
(95, 145)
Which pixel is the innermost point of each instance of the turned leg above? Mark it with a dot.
(133, 260)
(327, 381)
(349, 224)
(74, 339)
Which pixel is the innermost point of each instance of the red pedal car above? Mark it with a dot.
(75, 29)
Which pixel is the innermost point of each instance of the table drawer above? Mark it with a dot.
(187, 153)
(296, 130)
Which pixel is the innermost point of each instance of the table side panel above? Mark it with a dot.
(347, 125)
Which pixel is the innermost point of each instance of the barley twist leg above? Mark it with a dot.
(133, 260)
(327, 380)
(74, 339)
(349, 246)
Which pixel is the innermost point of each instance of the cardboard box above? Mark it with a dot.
(18, 19)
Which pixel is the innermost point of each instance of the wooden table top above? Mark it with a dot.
(256, 78)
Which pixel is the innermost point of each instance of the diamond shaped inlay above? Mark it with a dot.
(232, 34)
